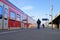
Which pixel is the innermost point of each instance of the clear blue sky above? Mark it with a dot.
(37, 8)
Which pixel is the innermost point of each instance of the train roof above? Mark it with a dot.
(16, 7)
(19, 9)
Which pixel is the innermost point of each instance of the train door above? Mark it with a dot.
(1, 8)
(22, 24)
(5, 20)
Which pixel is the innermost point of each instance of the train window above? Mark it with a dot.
(12, 15)
(18, 17)
(23, 18)
(6, 13)
(0, 11)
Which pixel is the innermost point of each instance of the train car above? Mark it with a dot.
(11, 17)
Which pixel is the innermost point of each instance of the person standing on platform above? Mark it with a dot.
(38, 23)
(43, 26)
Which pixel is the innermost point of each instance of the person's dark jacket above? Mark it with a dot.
(38, 21)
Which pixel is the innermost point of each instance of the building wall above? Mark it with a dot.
(54, 25)
(59, 24)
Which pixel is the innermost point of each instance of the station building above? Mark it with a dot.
(56, 21)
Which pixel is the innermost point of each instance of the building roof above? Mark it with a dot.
(56, 15)
(56, 18)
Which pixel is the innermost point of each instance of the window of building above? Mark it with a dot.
(12, 15)
(18, 17)
(5, 12)
(0, 11)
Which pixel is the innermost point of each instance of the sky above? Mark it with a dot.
(37, 8)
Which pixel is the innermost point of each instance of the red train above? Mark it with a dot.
(11, 17)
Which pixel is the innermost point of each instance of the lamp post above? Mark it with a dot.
(51, 10)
